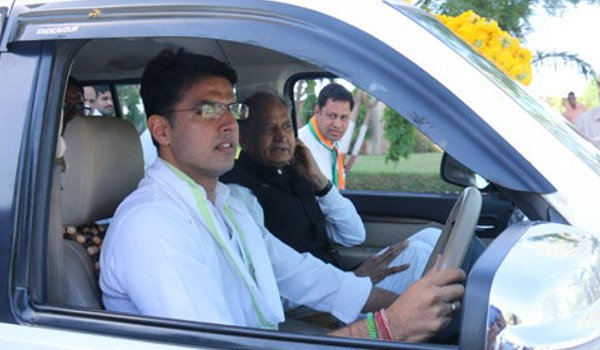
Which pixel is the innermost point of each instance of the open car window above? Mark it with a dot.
(382, 150)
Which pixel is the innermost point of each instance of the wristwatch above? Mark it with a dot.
(325, 190)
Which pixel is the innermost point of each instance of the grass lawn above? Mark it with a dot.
(417, 163)
(419, 173)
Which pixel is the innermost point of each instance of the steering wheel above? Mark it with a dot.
(458, 230)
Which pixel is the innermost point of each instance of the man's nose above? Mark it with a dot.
(228, 122)
(337, 123)
(279, 133)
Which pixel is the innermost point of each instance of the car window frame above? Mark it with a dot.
(320, 75)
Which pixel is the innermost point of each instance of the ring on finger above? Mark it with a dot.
(453, 306)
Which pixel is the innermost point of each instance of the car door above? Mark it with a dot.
(392, 216)
(45, 40)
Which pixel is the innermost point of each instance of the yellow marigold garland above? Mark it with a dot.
(487, 38)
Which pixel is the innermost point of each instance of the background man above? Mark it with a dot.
(185, 246)
(326, 128)
(73, 105)
(573, 108)
(588, 124)
(104, 102)
(89, 98)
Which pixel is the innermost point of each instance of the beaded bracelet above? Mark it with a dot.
(371, 326)
(383, 325)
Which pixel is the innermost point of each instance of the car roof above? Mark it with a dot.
(125, 60)
(258, 68)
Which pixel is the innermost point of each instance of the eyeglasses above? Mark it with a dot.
(215, 110)
(78, 107)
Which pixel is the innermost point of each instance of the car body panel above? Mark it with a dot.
(19, 74)
(39, 338)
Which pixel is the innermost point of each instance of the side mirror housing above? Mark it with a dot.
(452, 171)
(534, 287)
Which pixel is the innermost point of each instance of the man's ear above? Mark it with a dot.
(316, 110)
(160, 129)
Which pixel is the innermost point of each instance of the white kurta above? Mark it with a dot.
(159, 258)
(322, 154)
(342, 223)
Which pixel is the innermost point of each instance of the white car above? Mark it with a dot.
(537, 285)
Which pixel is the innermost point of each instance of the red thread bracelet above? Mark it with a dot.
(383, 325)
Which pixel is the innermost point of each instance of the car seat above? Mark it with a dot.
(104, 164)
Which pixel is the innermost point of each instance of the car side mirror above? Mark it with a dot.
(534, 287)
(452, 171)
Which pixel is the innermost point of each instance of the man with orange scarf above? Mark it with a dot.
(326, 128)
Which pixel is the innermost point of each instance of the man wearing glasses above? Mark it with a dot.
(186, 246)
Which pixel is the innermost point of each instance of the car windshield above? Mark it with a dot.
(541, 112)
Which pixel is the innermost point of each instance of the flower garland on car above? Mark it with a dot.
(487, 38)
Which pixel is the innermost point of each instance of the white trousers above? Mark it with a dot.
(420, 246)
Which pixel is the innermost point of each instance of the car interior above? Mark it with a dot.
(100, 160)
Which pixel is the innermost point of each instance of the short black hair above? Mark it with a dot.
(335, 92)
(74, 82)
(100, 89)
(169, 74)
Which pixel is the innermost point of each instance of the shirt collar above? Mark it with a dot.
(263, 170)
(160, 169)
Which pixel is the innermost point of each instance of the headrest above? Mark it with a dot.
(104, 164)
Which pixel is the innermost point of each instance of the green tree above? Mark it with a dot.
(590, 95)
(400, 133)
(566, 59)
(511, 15)
(130, 100)
(310, 101)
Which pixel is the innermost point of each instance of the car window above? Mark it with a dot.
(122, 100)
(382, 150)
(99, 99)
(131, 107)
